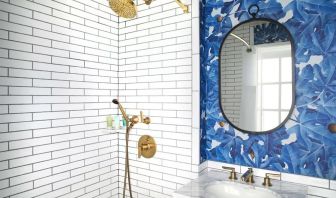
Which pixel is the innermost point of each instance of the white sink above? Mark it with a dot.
(236, 190)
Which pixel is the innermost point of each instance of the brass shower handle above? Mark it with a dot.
(146, 146)
(145, 120)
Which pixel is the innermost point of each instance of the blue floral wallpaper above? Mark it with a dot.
(303, 145)
(269, 33)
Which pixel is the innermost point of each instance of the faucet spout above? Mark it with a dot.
(248, 176)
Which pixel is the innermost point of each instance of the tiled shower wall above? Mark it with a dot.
(159, 74)
(58, 68)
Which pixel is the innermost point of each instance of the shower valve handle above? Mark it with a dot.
(146, 146)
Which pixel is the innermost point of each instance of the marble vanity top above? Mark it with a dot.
(196, 188)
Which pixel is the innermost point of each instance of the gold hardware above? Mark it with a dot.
(145, 120)
(134, 119)
(267, 179)
(248, 176)
(222, 124)
(146, 146)
(220, 18)
(233, 173)
(124, 8)
(332, 127)
(184, 7)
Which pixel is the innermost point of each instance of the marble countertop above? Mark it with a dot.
(196, 188)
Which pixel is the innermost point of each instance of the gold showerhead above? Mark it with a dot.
(124, 8)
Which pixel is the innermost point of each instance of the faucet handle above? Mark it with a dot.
(145, 120)
(267, 179)
(233, 173)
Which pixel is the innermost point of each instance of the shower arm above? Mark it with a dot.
(184, 7)
(242, 40)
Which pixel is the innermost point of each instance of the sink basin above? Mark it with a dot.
(236, 190)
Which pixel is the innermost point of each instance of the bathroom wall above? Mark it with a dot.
(303, 146)
(159, 74)
(58, 68)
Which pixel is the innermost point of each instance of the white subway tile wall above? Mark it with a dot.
(159, 74)
(59, 74)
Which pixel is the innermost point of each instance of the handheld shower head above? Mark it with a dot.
(115, 101)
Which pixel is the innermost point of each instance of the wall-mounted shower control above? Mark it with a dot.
(146, 146)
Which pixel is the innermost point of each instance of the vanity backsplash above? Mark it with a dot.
(303, 145)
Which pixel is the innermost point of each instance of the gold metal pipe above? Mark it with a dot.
(184, 7)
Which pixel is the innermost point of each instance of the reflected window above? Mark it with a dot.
(274, 88)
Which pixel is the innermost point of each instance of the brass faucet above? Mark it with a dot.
(233, 173)
(248, 176)
(267, 179)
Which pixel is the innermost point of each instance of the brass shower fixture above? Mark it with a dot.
(184, 7)
(147, 146)
(127, 8)
(124, 8)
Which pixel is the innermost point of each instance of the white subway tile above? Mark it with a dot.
(51, 35)
(29, 56)
(4, 15)
(29, 73)
(50, 99)
(68, 61)
(50, 19)
(51, 179)
(9, 118)
(66, 122)
(29, 125)
(68, 166)
(15, 81)
(34, 192)
(29, 39)
(15, 99)
(29, 108)
(15, 9)
(16, 189)
(50, 67)
(29, 160)
(67, 137)
(50, 163)
(16, 27)
(4, 53)
(50, 51)
(13, 45)
(29, 22)
(29, 91)
(54, 5)
(15, 171)
(31, 6)
(29, 142)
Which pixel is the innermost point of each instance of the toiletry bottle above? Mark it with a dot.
(109, 122)
(116, 122)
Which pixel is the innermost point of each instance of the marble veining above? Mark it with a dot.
(196, 188)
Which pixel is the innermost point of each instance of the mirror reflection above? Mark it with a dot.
(256, 76)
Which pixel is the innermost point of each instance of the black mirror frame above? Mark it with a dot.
(293, 76)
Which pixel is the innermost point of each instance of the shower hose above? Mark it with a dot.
(127, 169)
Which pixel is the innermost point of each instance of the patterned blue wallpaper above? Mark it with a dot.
(303, 145)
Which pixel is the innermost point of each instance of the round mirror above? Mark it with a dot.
(257, 75)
